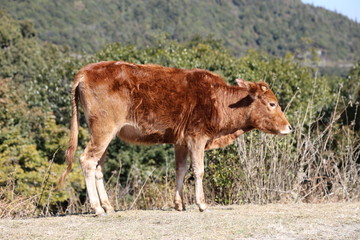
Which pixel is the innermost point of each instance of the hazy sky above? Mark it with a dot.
(349, 8)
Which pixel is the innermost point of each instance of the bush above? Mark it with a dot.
(320, 161)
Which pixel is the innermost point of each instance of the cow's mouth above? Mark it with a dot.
(288, 129)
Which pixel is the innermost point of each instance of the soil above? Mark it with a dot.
(272, 221)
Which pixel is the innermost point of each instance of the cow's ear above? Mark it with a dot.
(241, 83)
(250, 86)
(263, 87)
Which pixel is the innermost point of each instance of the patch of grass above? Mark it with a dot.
(271, 221)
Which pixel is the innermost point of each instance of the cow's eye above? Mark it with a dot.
(272, 104)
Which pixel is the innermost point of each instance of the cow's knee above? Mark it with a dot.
(87, 164)
(199, 173)
(98, 173)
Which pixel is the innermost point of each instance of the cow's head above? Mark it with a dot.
(265, 112)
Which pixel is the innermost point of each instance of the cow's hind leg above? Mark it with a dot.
(89, 161)
(181, 153)
(100, 186)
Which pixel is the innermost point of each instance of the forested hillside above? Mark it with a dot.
(274, 26)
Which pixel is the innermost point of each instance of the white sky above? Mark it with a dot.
(349, 8)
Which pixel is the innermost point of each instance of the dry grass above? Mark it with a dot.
(272, 221)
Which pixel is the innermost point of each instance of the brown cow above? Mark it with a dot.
(149, 104)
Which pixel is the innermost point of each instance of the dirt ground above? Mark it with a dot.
(273, 221)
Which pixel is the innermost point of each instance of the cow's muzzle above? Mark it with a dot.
(287, 130)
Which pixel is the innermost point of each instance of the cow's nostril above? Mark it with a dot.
(290, 128)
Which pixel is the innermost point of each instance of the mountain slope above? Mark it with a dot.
(275, 26)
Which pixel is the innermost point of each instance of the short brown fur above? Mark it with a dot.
(149, 104)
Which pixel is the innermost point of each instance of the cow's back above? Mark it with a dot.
(154, 104)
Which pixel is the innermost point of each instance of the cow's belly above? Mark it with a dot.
(132, 134)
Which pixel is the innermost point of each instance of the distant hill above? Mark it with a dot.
(275, 26)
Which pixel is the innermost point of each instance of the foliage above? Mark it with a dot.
(352, 84)
(43, 70)
(224, 172)
(35, 111)
(32, 143)
(31, 149)
(351, 93)
(276, 26)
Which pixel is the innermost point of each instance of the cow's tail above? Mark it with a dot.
(74, 130)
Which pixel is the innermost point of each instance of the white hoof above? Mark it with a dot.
(202, 207)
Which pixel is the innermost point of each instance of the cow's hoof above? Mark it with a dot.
(103, 214)
(202, 207)
(110, 211)
(179, 207)
(99, 212)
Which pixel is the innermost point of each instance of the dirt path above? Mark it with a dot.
(274, 221)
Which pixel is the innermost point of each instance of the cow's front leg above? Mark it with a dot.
(181, 153)
(197, 163)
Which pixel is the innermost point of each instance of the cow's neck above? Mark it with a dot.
(235, 104)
